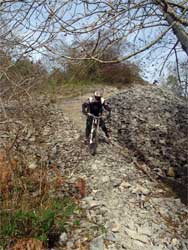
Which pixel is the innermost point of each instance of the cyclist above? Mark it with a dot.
(95, 106)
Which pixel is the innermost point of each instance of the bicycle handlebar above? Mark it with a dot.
(98, 117)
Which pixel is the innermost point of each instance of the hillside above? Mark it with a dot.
(120, 202)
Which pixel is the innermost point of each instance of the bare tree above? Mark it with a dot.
(181, 70)
(146, 24)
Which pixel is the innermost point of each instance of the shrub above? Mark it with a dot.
(29, 205)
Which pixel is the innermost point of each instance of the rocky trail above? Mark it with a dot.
(126, 206)
(135, 210)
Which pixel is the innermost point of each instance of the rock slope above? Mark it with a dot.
(153, 123)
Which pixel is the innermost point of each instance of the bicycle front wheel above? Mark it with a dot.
(93, 144)
(93, 148)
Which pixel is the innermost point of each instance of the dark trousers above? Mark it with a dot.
(89, 125)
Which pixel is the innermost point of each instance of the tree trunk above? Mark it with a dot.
(177, 28)
(179, 32)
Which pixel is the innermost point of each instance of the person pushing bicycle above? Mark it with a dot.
(95, 105)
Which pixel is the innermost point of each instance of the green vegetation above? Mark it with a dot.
(30, 207)
(39, 223)
(89, 72)
(69, 78)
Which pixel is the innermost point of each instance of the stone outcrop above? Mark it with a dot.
(153, 123)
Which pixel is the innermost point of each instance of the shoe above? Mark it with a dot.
(86, 141)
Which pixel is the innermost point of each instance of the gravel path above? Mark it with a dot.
(135, 212)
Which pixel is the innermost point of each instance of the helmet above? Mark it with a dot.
(98, 95)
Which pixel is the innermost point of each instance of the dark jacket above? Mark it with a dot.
(94, 106)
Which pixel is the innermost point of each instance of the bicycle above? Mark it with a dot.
(93, 138)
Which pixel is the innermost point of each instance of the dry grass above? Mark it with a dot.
(28, 244)
(33, 205)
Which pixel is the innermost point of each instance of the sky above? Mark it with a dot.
(149, 62)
